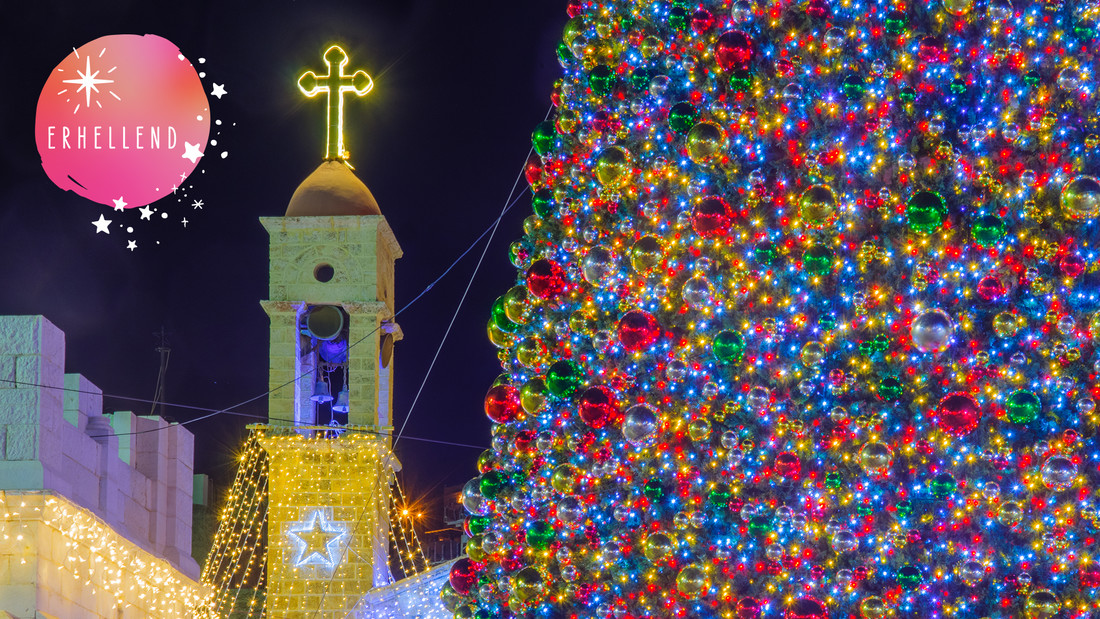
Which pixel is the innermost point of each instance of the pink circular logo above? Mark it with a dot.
(123, 120)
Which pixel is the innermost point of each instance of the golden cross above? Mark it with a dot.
(335, 84)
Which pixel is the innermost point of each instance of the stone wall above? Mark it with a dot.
(54, 437)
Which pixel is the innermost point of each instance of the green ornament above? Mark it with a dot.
(827, 322)
(728, 346)
(477, 525)
(943, 485)
(626, 23)
(761, 525)
(544, 137)
(682, 117)
(867, 348)
(926, 211)
(833, 480)
(563, 378)
(540, 534)
(601, 80)
(720, 496)
(958, 86)
(896, 22)
(653, 490)
(1023, 406)
(681, 4)
(500, 318)
(881, 343)
(853, 87)
(1085, 30)
(678, 18)
(904, 507)
(564, 53)
(542, 202)
(492, 483)
(818, 260)
(1031, 78)
(890, 389)
(907, 94)
(741, 80)
(766, 252)
(641, 78)
(909, 577)
(865, 509)
(988, 230)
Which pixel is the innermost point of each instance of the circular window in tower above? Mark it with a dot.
(323, 272)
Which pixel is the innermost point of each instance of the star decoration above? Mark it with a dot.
(119, 204)
(131, 245)
(88, 82)
(184, 222)
(197, 204)
(102, 224)
(191, 151)
(146, 212)
(219, 90)
(316, 540)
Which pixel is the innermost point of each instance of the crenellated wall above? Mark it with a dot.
(133, 474)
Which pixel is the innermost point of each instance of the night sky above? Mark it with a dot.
(439, 141)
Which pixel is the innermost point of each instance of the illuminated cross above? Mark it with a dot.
(335, 83)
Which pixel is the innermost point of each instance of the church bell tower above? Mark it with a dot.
(328, 436)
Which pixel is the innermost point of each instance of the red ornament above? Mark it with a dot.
(1072, 265)
(712, 217)
(734, 50)
(1090, 577)
(817, 8)
(929, 49)
(545, 279)
(463, 576)
(598, 407)
(807, 608)
(958, 414)
(502, 404)
(990, 288)
(638, 329)
(702, 21)
(574, 8)
(788, 465)
(749, 608)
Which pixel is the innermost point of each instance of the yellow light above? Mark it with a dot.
(335, 84)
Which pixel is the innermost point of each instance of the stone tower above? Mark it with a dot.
(328, 438)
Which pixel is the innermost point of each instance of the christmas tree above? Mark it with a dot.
(805, 322)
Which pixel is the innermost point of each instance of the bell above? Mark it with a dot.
(341, 403)
(321, 392)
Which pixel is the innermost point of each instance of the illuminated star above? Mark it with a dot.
(102, 224)
(131, 245)
(184, 222)
(88, 81)
(119, 204)
(146, 212)
(219, 90)
(197, 204)
(191, 151)
(317, 540)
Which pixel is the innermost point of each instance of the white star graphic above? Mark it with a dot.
(119, 204)
(317, 540)
(191, 151)
(102, 224)
(146, 212)
(219, 90)
(185, 222)
(88, 82)
(131, 245)
(197, 204)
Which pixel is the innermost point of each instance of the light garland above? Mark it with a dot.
(64, 547)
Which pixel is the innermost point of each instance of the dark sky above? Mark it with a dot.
(458, 88)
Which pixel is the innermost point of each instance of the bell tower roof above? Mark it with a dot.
(332, 190)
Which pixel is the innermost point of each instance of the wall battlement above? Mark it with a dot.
(55, 437)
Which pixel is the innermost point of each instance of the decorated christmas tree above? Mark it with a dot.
(805, 319)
